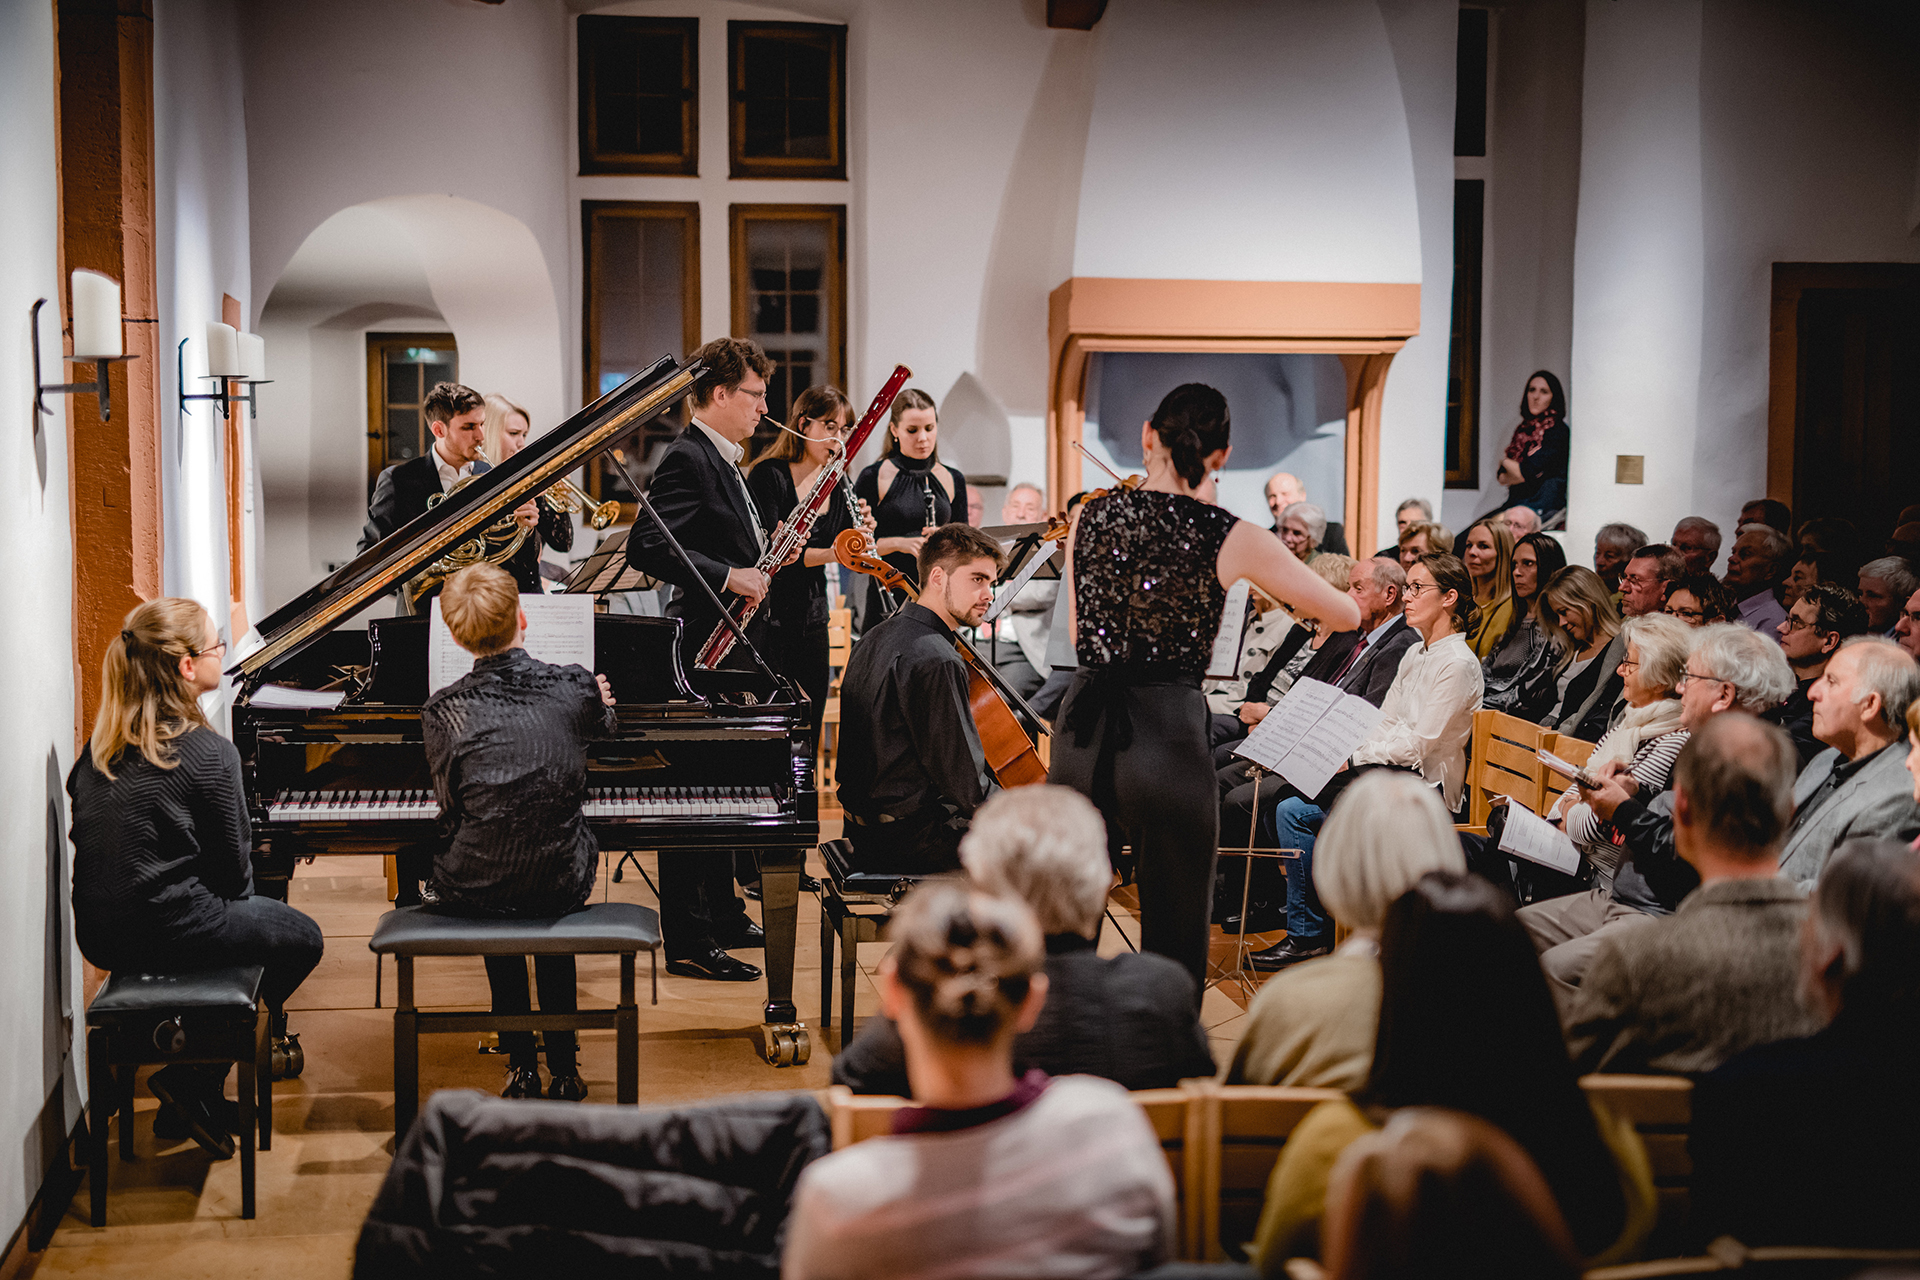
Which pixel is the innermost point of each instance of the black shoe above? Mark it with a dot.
(288, 1058)
(170, 1124)
(807, 885)
(194, 1108)
(1288, 951)
(715, 966)
(567, 1086)
(744, 933)
(1261, 918)
(522, 1082)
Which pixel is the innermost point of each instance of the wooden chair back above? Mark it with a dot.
(1571, 749)
(1241, 1131)
(1660, 1108)
(1502, 763)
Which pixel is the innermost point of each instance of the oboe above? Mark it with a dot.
(797, 528)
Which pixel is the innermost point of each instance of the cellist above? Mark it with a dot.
(911, 767)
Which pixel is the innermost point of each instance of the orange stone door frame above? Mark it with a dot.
(1363, 324)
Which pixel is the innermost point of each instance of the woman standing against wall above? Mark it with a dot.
(910, 491)
(507, 428)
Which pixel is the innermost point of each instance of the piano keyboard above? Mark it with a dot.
(601, 803)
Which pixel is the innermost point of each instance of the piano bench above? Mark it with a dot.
(194, 1015)
(854, 907)
(602, 928)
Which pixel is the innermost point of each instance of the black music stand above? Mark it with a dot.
(606, 569)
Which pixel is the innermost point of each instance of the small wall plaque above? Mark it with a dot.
(1629, 468)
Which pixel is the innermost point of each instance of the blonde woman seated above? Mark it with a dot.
(1313, 1024)
(993, 1174)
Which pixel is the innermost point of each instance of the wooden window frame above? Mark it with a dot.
(378, 344)
(595, 161)
(835, 284)
(739, 165)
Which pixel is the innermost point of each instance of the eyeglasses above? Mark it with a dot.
(218, 648)
(1685, 613)
(1686, 676)
(1627, 664)
(1414, 589)
(1794, 624)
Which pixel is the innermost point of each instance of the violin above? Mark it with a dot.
(1012, 757)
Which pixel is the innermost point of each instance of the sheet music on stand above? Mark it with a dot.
(607, 570)
(1309, 734)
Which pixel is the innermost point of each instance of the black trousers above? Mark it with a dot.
(928, 847)
(1154, 782)
(559, 993)
(698, 906)
(284, 941)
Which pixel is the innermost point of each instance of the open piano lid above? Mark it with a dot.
(462, 515)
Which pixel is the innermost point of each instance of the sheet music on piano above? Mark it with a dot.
(559, 631)
(1309, 734)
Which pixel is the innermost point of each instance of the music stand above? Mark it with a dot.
(607, 570)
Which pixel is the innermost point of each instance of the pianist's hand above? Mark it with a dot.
(526, 515)
(750, 583)
(1252, 713)
(606, 690)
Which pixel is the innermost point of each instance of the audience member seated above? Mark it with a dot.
(1857, 787)
(1319, 650)
(1521, 521)
(1905, 541)
(1648, 579)
(1824, 616)
(1817, 1141)
(1519, 673)
(1700, 600)
(992, 1173)
(1283, 491)
(1466, 1023)
(1303, 528)
(162, 847)
(1588, 683)
(1534, 466)
(506, 744)
(1809, 568)
(1906, 631)
(1313, 1024)
(1613, 546)
(1271, 631)
(1423, 538)
(1837, 541)
(1488, 555)
(1770, 512)
(1690, 990)
(1129, 1017)
(1697, 539)
(1443, 1193)
(1885, 585)
(1730, 667)
(1426, 721)
(1412, 511)
(1756, 568)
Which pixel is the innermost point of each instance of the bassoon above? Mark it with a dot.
(797, 529)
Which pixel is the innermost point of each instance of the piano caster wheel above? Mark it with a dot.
(288, 1058)
(787, 1044)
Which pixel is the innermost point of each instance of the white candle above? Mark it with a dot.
(253, 357)
(96, 316)
(223, 350)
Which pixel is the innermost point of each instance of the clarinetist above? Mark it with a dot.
(910, 491)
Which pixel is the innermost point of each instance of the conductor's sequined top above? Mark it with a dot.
(1146, 584)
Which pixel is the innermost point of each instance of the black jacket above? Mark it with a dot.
(708, 512)
(490, 1187)
(401, 493)
(1652, 877)
(1795, 715)
(1128, 1017)
(1373, 674)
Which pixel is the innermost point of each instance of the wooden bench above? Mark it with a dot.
(1502, 761)
(1241, 1131)
(1660, 1108)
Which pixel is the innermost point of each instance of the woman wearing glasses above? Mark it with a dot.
(162, 849)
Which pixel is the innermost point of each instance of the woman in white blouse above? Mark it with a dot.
(1425, 724)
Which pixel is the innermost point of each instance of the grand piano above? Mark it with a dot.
(707, 760)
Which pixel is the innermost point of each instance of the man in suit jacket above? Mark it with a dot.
(701, 495)
(1683, 993)
(1859, 785)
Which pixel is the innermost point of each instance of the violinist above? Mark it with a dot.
(912, 770)
(1148, 572)
(910, 492)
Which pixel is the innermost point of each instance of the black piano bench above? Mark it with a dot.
(604, 928)
(196, 1015)
(854, 906)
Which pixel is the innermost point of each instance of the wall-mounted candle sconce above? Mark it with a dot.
(232, 356)
(96, 340)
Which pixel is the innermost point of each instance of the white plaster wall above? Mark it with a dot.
(39, 966)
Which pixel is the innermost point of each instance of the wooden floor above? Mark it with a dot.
(173, 1212)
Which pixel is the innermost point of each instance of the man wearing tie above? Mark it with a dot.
(701, 495)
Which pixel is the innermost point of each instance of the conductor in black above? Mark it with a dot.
(700, 493)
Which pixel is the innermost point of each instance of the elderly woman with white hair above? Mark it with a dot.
(1303, 527)
(1313, 1023)
(1132, 1017)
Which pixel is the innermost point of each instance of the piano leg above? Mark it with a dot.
(784, 1039)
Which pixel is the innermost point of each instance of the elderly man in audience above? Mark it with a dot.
(1412, 511)
(1313, 1024)
(1756, 568)
(1690, 990)
(1817, 623)
(1730, 668)
(1650, 573)
(1283, 491)
(1859, 786)
(1613, 546)
(1817, 1141)
(1521, 521)
(1885, 585)
(1129, 1017)
(1697, 539)
(1906, 631)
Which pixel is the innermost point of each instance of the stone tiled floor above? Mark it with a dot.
(173, 1212)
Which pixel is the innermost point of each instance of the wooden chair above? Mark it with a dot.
(1241, 1130)
(1503, 763)
(1569, 748)
(1660, 1108)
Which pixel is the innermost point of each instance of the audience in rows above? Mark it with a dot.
(1817, 624)
(1700, 600)
(1488, 555)
(1519, 672)
(1588, 681)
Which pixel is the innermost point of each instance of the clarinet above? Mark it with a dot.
(795, 531)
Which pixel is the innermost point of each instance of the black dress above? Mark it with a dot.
(796, 604)
(1148, 601)
(903, 513)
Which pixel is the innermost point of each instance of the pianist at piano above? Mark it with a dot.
(507, 745)
(162, 854)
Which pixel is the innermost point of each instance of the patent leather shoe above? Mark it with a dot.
(742, 933)
(1288, 951)
(1261, 918)
(713, 966)
(193, 1107)
(567, 1086)
(522, 1082)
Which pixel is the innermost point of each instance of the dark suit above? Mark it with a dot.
(709, 514)
(401, 493)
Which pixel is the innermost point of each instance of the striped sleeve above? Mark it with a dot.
(1652, 764)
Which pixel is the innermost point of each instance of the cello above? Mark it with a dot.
(1012, 757)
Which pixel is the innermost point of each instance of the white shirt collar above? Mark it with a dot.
(449, 476)
(732, 452)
